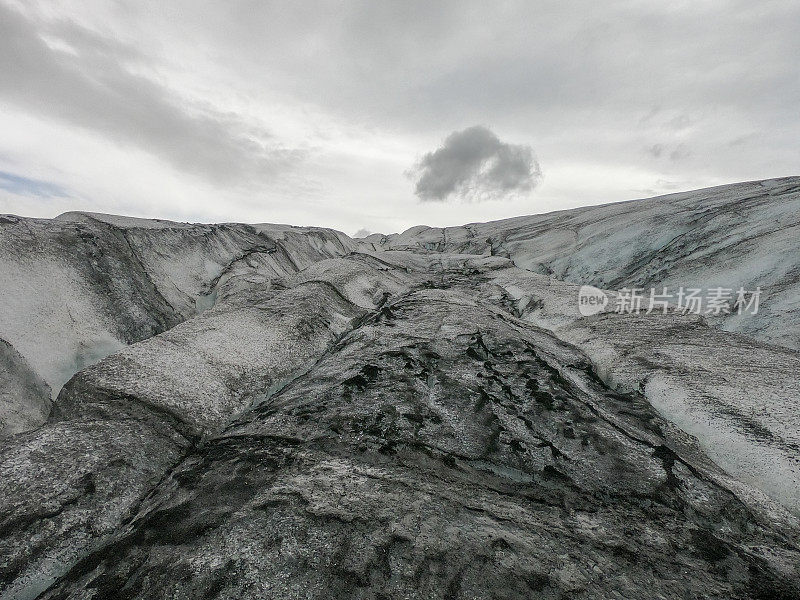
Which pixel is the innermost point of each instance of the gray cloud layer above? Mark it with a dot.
(593, 83)
(86, 81)
(475, 164)
(621, 97)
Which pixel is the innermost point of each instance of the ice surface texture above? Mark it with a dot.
(415, 416)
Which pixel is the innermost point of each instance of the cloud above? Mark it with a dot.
(63, 71)
(24, 186)
(475, 164)
(195, 109)
(677, 153)
(362, 233)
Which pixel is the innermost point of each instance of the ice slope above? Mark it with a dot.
(24, 396)
(742, 235)
(315, 413)
(79, 287)
(157, 398)
(736, 395)
(378, 423)
(367, 398)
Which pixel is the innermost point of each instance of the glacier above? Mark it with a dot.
(272, 411)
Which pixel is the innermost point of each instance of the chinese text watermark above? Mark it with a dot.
(709, 301)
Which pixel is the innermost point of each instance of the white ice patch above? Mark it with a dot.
(732, 446)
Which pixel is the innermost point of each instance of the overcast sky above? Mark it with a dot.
(381, 115)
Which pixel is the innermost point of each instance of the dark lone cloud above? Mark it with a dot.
(474, 164)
